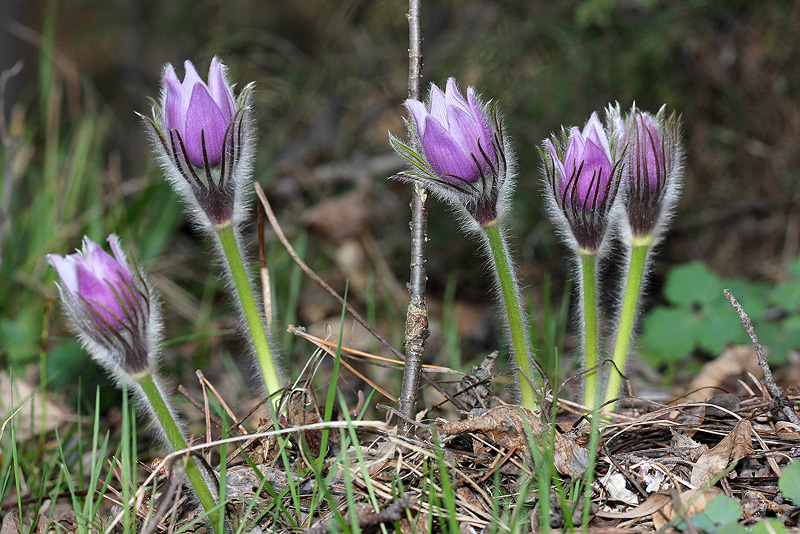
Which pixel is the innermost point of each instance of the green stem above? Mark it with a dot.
(588, 289)
(227, 238)
(639, 250)
(509, 291)
(178, 443)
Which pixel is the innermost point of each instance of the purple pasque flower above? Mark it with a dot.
(653, 167)
(583, 175)
(455, 134)
(204, 138)
(457, 149)
(198, 113)
(109, 304)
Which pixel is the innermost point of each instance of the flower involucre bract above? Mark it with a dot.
(111, 307)
(458, 151)
(583, 171)
(204, 137)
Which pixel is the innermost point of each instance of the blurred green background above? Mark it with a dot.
(331, 77)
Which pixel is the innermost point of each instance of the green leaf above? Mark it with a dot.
(732, 528)
(693, 283)
(769, 526)
(723, 510)
(718, 330)
(786, 295)
(790, 482)
(668, 335)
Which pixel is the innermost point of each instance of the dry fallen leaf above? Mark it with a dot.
(734, 361)
(732, 448)
(505, 425)
(650, 506)
(685, 447)
(787, 430)
(691, 502)
(508, 425)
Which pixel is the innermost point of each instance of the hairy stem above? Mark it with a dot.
(417, 332)
(178, 443)
(589, 300)
(233, 255)
(508, 289)
(627, 318)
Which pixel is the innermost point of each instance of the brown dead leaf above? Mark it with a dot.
(732, 448)
(505, 425)
(691, 502)
(787, 430)
(10, 523)
(508, 425)
(685, 447)
(650, 506)
(419, 524)
(734, 361)
(569, 458)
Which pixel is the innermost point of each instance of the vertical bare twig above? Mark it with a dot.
(772, 387)
(417, 316)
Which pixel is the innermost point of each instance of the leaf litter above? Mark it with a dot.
(657, 467)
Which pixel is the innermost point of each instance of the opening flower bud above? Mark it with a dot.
(457, 150)
(583, 173)
(110, 306)
(653, 167)
(204, 141)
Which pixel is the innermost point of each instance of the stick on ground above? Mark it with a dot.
(772, 387)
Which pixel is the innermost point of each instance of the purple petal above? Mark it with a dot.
(574, 153)
(220, 90)
(438, 106)
(191, 77)
(99, 293)
(467, 133)
(204, 116)
(177, 100)
(419, 113)
(65, 267)
(594, 176)
(595, 132)
(453, 97)
(487, 133)
(445, 156)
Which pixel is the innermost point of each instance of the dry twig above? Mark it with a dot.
(772, 387)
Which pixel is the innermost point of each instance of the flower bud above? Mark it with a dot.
(204, 141)
(110, 306)
(653, 167)
(583, 175)
(457, 150)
